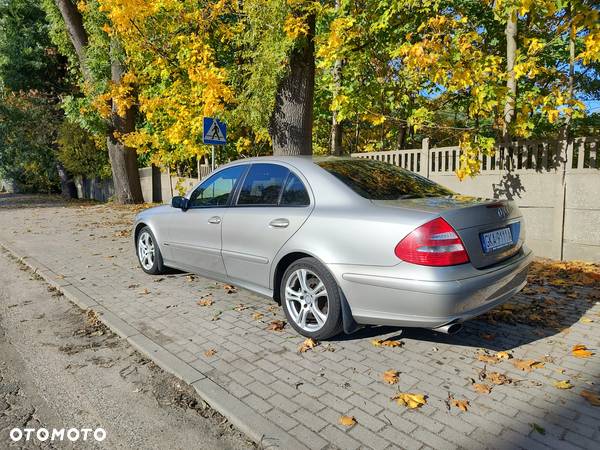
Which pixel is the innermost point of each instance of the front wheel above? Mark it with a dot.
(148, 253)
(311, 299)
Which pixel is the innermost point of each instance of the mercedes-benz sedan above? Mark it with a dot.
(341, 242)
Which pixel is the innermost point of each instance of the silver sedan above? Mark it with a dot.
(342, 242)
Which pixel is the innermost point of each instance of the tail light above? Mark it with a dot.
(435, 243)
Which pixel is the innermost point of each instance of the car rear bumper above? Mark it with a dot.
(431, 297)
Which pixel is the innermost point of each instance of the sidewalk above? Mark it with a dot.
(280, 397)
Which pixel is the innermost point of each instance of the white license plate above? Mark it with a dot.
(494, 240)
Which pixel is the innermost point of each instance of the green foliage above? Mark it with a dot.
(27, 59)
(80, 153)
(26, 142)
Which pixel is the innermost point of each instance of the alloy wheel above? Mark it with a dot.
(306, 300)
(146, 250)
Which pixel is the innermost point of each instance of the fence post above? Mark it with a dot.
(425, 157)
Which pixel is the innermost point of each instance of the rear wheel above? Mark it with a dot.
(311, 299)
(148, 253)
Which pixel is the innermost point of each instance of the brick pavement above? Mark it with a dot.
(305, 394)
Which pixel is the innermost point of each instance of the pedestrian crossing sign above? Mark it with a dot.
(214, 132)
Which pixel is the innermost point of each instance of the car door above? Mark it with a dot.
(272, 204)
(195, 234)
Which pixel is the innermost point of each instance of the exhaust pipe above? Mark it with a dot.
(451, 328)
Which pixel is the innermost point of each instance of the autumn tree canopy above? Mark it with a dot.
(339, 76)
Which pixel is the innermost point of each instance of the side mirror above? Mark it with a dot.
(180, 202)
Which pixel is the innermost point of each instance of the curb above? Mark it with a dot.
(245, 419)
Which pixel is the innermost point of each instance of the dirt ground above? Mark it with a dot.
(61, 368)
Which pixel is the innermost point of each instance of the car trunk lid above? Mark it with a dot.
(491, 230)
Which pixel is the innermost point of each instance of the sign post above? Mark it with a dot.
(214, 133)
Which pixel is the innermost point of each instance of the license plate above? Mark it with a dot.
(497, 239)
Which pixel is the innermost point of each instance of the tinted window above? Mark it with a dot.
(262, 185)
(216, 190)
(295, 193)
(377, 180)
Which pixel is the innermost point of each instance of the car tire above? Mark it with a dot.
(148, 252)
(310, 312)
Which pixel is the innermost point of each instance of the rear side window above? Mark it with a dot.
(377, 180)
(263, 185)
(295, 193)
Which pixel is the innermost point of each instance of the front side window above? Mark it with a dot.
(262, 186)
(216, 190)
(294, 193)
(377, 180)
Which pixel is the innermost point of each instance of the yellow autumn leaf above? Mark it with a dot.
(210, 352)
(460, 404)
(409, 400)
(592, 397)
(564, 384)
(386, 343)
(527, 365)
(482, 388)
(307, 345)
(581, 351)
(586, 320)
(257, 316)
(503, 355)
(347, 421)
(390, 376)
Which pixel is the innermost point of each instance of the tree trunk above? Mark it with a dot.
(67, 185)
(291, 123)
(401, 137)
(511, 82)
(77, 33)
(336, 126)
(123, 160)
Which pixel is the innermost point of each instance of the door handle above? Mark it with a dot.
(215, 220)
(279, 223)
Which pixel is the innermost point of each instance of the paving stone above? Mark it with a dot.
(304, 395)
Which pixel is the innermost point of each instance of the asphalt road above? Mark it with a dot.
(60, 368)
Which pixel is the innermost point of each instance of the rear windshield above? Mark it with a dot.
(377, 180)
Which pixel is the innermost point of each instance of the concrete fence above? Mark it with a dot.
(157, 186)
(555, 183)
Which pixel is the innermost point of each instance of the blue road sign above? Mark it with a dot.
(214, 132)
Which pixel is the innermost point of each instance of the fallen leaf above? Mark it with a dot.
(347, 421)
(210, 352)
(205, 301)
(409, 400)
(273, 309)
(482, 388)
(144, 292)
(504, 355)
(527, 365)
(276, 325)
(386, 343)
(581, 351)
(257, 316)
(460, 404)
(240, 307)
(492, 359)
(133, 286)
(586, 320)
(535, 427)
(498, 378)
(229, 289)
(307, 345)
(592, 397)
(564, 384)
(390, 376)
